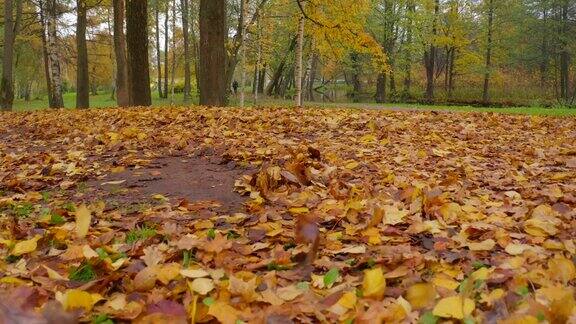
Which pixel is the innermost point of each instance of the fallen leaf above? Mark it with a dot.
(421, 295)
(83, 219)
(25, 247)
(454, 307)
(374, 283)
(202, 285)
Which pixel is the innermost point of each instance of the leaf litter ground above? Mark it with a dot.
(283, 215)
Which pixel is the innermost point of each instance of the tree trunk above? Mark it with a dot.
(166, 49)
(381, 88)
(195, 46)
(544, 50)
(486, 91)
(355, 79)
(430, 56)
(173, 68)
(54, 60)
(564, 56)
(312, 77)
(242, 31)
(185, 32)
(275, 82)
(262, 79)
(158, 50)
(257, 79)
(298, 68)
(410, 9)
(46, 60)
(137, 41)
(11, 26)
(82, 77)
(212, 74)
(122, 80)
(451, 73)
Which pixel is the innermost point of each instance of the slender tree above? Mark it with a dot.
(488, 67)
(158, 49)
(257, 79)
(122, 81)
(137, 41)
(242, 32)
(430, 55)
(299, 58)
(186, 35)
(53, 56)
(82, 78)
(564, 52)
(212, 53)
(173, 67)
(166, 49)
(11, 26)
(46, 60)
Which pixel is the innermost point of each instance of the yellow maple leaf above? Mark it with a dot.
(454, 307)
(83, 219)
(374, 283)
(223, 312)
(27, 246)
(78, 299)
(561, 269)
(421, 295)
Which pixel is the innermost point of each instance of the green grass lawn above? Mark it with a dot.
(103, 100)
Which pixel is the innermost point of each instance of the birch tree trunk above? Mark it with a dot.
(122, 78)
(54, 60)
(82, 77)
(299, 54)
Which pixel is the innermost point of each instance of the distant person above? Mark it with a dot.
(235, 86)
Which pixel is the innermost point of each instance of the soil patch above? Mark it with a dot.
(195, 179)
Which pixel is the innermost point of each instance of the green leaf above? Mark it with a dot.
(231, 235)
(56, 219)
(186, 259)
(83, 273)
(102, 254)
(211, 233)
(289, 245)
(523, 291)
(208, 301)
(370, 263)
(331, 276)
(102, 319)
(463, 285)
(479, 264)
(428, 318)
(23, 210)
(303, 285)
(469, 320)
